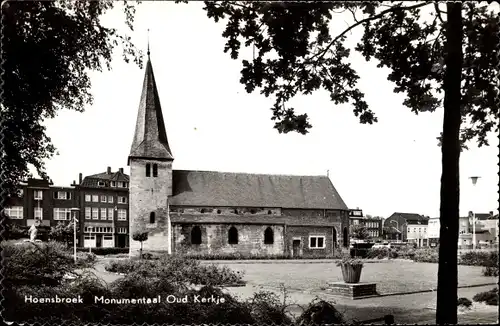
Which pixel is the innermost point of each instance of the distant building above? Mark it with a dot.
(433, 231)
(372, 225)
(413, 227)
(41, 200)
(104, 209)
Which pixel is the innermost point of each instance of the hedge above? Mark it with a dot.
(104, 251)
(488, 297)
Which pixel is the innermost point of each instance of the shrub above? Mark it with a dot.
(488, 297)
(320, 312)
(382, 253)
(426, 255)
(105, 251)
(490, 271)
(479, 258)
(36, 263)
(464, 302)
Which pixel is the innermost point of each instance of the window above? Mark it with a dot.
(253, 211)
(104, 199)
(122, 215)
(196, 235)
(38, 194)
(110, 214)
(88, 215)
(95, 213)
(113, 183)
(88, 198)
(38, 213)
(62, 195)
(269, 212)
(62, 214)
(219, 211)
(122, 184)
(107, 237)
(202, 210)
(103, 213)
(110, 199)
(122, 230)
(268, 236)
(152, 217)
(95, 198)
(155, 170)
(15, 212)
(122, 200)
(232, 235)
(316, 242)
(100, 183)
(148, 170)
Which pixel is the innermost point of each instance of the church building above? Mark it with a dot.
(223, 213)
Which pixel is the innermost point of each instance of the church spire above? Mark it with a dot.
(148, 43)
(150, 138)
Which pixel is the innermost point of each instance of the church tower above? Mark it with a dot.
(150, 162)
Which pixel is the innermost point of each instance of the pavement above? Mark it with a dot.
(416, 308)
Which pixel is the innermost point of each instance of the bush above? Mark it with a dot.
(105, 251)
(320, 312)
(426, 255)
(381, 253)
(479, 258)
(490, 271)
(488, 297)
(37, 263)
(464, 302)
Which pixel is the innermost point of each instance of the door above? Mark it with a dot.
(121, 241)
(98, 240)
(296, 248)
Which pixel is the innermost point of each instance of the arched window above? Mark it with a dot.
(148, 170)
(202, 210)
(155, 170)
(196, 235)
(269, 212)
(232, 236)
(268, 236)
(219, 211)
(253, 211)
(152, 217)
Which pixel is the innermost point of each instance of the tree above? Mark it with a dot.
(359, 232)
(455, 52)
(48, 49)
(140, 236)
(63, 232)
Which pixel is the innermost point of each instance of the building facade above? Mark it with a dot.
(413, 227)
(433, 231)
(374, 226)
(209, 212)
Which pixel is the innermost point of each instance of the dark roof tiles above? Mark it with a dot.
(209, 188)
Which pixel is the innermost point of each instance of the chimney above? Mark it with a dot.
(471, 214)
(79, 178)
(491, 213)
(109, 170)
(74, 183)
(120, 170)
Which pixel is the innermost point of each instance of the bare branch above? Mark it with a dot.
(438, 12)
(353, 12)
(322, 53)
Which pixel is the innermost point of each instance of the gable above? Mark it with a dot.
(209, 188)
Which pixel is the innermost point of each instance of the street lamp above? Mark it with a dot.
(74, 210)
(474, 182)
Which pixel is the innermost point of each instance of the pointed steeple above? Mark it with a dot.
(150, 138)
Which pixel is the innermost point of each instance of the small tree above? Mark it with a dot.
(359, 232)
(62, 232)
(140, 236)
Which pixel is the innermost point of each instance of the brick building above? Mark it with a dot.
(209, 212)
(40, 199)
(104, 209)
(374, 226)
(413, 227)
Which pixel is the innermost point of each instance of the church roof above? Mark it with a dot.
(150, 138)
(208, 188)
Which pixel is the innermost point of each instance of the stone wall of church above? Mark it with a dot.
(298, 240)
(148, 195)
(215, 239)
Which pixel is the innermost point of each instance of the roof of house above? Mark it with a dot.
(411, 217)
(248, 219)
(209, 188)
(150, 137)
(91, 181)
(391, 230)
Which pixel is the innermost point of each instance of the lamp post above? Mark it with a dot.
(74, 210)
(474, 182)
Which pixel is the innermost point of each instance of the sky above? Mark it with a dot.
(213, 124)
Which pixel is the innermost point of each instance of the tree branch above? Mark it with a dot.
(377, 16)
(438, 12)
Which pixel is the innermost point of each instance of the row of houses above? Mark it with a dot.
(424, 231)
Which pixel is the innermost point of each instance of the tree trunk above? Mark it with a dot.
(446, 310)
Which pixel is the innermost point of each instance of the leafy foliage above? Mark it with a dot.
(35, 87)
(464, 302)
(63, 232)
(480, 258)
(359, 231)
(295, 53)
(488, 297)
